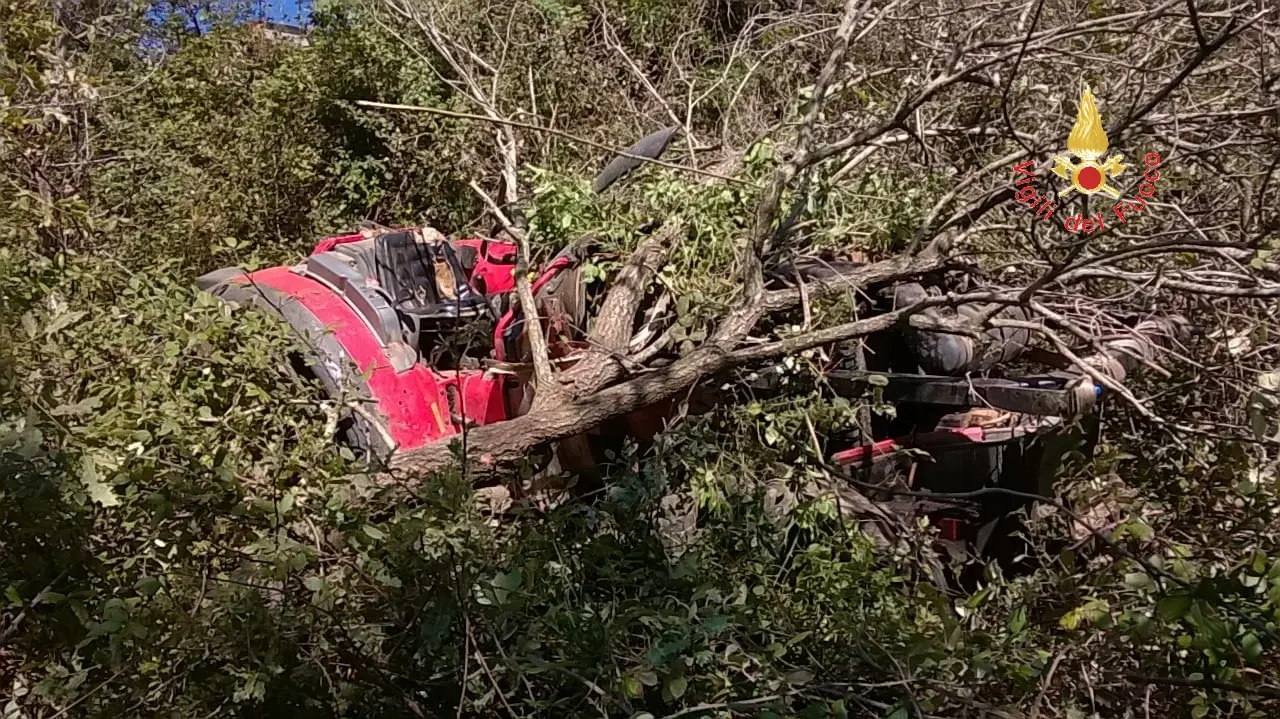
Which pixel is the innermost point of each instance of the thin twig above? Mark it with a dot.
(558, 133)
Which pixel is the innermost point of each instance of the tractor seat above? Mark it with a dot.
(422, 278)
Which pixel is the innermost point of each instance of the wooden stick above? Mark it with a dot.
(552, 131)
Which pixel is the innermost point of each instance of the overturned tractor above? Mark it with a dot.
(381, 311)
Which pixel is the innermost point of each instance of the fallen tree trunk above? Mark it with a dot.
(491, 447)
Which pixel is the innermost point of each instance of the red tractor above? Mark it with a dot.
(381, 310)
(378, 310)
(380, 303)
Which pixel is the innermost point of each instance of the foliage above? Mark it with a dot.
(180, 538)
(259, 142)
(153, 447)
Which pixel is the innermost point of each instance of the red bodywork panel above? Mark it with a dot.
(419, 405)
(329, 243)
(889, 446)
(495, 263)
(856, 454)
(415, 402)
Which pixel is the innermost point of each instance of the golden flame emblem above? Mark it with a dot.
(1088, 141)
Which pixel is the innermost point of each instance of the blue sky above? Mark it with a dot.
(293, 12)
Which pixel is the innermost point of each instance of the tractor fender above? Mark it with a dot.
(324, 360)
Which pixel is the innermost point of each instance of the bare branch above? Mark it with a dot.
(550, 131)
(544, 380)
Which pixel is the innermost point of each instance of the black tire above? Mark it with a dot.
(353, 430)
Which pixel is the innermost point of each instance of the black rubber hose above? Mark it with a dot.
(651, 146)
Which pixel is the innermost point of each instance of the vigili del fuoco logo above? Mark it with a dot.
(1090, 173)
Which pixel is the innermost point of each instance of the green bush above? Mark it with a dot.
(154, 449)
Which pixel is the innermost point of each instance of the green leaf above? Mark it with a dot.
(84, 406)
(1252, 648)
(1202, 616)
(1018, 621)
(509, 580)
(1071, 619)
(98, 491)
(313, 583)
(63, 321)
(800, 677)
(147, 586)
(771, 435)
(373, 532)
(798, 638)
(1259, 565)
(504, 583)
(1137, 580)
(715, 625)
(76, 680)
(676, 686)
(253, 689)
(1173, 607)
(1137, 529)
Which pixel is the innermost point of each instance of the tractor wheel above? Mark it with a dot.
(323, 361)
